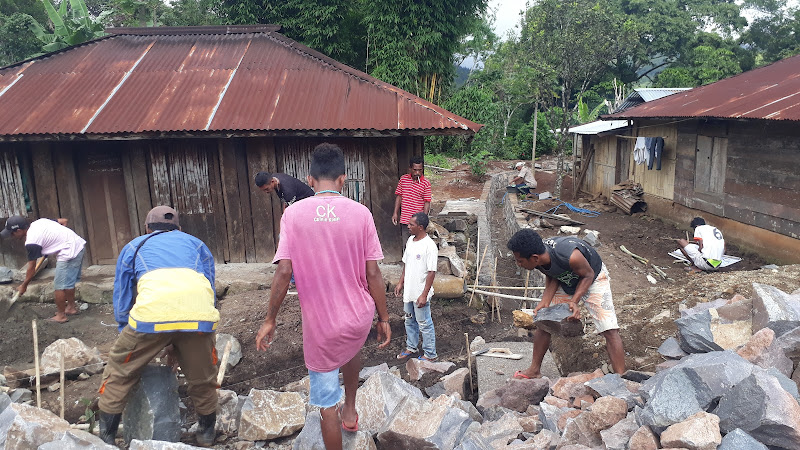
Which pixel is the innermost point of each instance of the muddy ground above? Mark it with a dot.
(645, 311)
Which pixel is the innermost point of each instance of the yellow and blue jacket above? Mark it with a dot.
(169, 287)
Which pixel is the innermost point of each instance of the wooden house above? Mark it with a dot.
(101, 132)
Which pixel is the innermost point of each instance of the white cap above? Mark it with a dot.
(520, 164)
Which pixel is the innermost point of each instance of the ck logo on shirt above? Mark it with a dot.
(419, 256)
(325, 214)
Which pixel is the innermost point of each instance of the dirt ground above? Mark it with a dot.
(641, 307)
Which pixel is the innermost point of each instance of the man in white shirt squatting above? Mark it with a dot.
(416, 282)
(708, 248)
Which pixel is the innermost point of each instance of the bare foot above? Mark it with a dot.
(59, 318)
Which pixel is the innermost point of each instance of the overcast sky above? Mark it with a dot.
(507, 12)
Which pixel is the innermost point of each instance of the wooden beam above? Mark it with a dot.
(549, 216)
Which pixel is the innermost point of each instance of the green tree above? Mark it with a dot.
(33, 8)
(187, 13)
(72, 25)
(775, 32)
(16, 40)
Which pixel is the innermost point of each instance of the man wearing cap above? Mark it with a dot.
(50, 237)
(525, 180)
(163, 299)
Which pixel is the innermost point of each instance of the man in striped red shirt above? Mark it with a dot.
(413, 195)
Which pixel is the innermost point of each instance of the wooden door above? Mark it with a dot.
(105, 203)
(623, 161)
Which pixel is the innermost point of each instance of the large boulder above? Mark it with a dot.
(761, 407)
(555, 320)
(516, 394)
(310, 438)
(694, 333)
(416, 368)
(739, 440)
(23, 427)
(763, 350)
(77, 440)
(153, 411)
(77, 357)
(773, 308)
(574, 386)
(268, 415)
(618, 435)
(378, 397)
(419, 424)
(614, 386)
(691, 386)
(500, 433)
(643, 439)
(236, 349)
(453, 401)
(229, 411)
(671, 349)
(699, 432)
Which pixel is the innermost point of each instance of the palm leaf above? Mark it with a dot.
(80, 11)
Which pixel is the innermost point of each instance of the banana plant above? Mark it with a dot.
(71, 25)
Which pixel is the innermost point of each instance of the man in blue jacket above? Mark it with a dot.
(163, 298)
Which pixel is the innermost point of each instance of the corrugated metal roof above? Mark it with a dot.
(599, 126)
(642, 95)
(216, 79)
(771, 93)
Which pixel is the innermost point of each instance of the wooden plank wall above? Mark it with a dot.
(384, 174)
(261, 158)
(657, 182)
(70, 204)
(602, 170)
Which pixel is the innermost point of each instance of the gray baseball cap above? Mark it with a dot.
(162, 214)
(13, 224)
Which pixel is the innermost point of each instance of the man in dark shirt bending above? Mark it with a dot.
(289, 189)
(574, 273)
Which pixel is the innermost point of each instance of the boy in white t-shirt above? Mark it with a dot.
(416, 282)
(50, 237)
(708, 248)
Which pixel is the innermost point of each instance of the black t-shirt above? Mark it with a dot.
(560, 249)
(291, 189)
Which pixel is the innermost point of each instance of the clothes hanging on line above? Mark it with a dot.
(655, 147)
(639, 151)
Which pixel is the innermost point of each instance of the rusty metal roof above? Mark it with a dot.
(771, 93)
(206, 79)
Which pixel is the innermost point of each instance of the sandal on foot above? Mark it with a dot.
(405, 354)
(354, 428)
(519, 375)
(425, 358)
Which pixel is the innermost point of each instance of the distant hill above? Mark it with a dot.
(462, 73)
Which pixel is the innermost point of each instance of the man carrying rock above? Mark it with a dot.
(163, 299)
(339, 286)
(708, 248)
(574, 273)
(51, 237)
(420, 260)
(413, 195)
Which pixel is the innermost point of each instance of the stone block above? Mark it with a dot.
(765, 351)
(6, 275)
(456, 225)
(592, 238)
(268, 415)
(302, 385)
(494, 412)
(137, 444)
(443, 266)
(77, 440)
(702, 307)
(643, 439)
(611, 385)
(457, 267)
(557, 402)
(554, 320)
(729, 335)
(310, 438)
(739, 440)
(5, 401)
(95, 292)
(761, 407)
(692, 385)
(24, 427)
(378, 397)
(516, 394)
(737, 310)
(530, 424)
(366, 372)
(579, 431)
(452, 401)
(573, 386)
(773, 308)
(671, 349)
(419, 424)
(472, 440)
(416, 368)
(790, 343)
(77, 357)
(605, 413)
(550, 415)
(456, 382)
(618, 435)
(229, 410)
(152, 411)
(694, 333)
(20, 395)
(501, 432)
(546, 440)
(236, 349)
(698, 432)
(566, 417)
(448, 286)
(637, 376)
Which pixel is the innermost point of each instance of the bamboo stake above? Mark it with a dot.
(480, 265)
(469, 363)
(527, 280)
(494, 282)
(36, 363)
(63, 385)
(224, 365)
(493, 294)
(510, 288)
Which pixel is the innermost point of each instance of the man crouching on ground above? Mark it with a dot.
(573, 273)
(331, 244)
(163, 298)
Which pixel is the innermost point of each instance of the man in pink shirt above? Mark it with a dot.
(339, 287)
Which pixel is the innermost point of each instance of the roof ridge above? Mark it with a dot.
(204, 29)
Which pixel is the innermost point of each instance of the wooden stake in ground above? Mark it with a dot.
(493, 300)
(477, 273)
(525, 294)
(224, 364)
(63, 385)
(36, 363)
(469, 363)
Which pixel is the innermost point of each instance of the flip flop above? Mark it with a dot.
(404, 354)
(519, 375)
(425, 358)
(354, 428)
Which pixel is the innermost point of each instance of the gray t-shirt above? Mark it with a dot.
(291, 189)
(560, 249)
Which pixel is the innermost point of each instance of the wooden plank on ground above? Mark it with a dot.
(549, 216)
(230, 195)
(383, 180)
(261, 158)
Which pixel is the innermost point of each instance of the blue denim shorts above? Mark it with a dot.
(324, 390)
(68, 273)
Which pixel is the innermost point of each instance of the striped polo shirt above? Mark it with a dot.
(414, 194)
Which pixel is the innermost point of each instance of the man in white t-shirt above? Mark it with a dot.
(50, 237)
(708, 248)
(420, 259)
(524, 181)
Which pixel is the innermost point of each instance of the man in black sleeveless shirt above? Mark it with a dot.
(574, 273)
